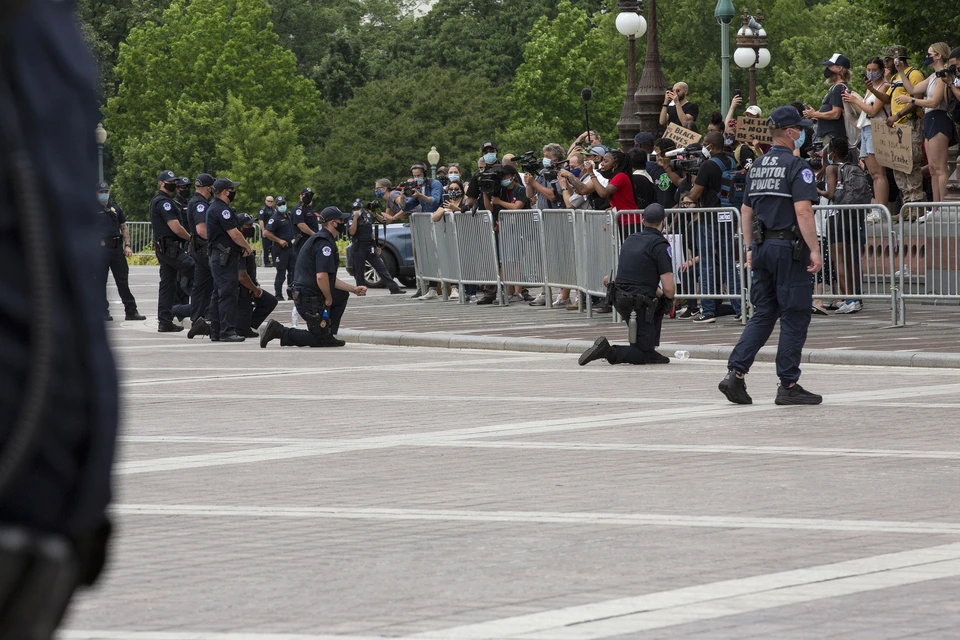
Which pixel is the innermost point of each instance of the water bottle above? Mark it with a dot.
(295, 317)
(681, 355)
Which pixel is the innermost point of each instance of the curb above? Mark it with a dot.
(543, 345)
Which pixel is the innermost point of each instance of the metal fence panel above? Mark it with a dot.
(928, 262)
(445, 233)
(426, 258)
(141, 240)
(596, 253)
(477, 247)
(559, 250)
(521, 247)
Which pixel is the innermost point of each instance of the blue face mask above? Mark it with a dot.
(104, 198)
(505, 183)
(490, 158)
(576, 172)
(453, 177)
(282, 208)
(799, 141)
(928, 61)
(547, 163)
(419, 180)
(378, 192)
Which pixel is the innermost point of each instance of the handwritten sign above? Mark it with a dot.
(750, 128)
(683, 137)
(892, 147)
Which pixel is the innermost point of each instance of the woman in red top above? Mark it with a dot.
(616, 168)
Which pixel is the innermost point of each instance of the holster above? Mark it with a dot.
(798, 244)
(227, 256)
(757, 231)
(114, 242)
(311, 309)
(167, 246)
(611, 297)
(198, 245)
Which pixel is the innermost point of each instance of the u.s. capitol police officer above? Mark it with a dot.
(202, 278)
(319, 295)
(305, 220)
(227, 245)
(169, 239)
(279, 230)
(58, 380)
(255, 304)
(263, 217)
(778, 225)
(116, 243)
(644, 289)
(365, 249)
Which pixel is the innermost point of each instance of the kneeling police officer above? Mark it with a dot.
(255, 304)
(320, 297)
(642, 292)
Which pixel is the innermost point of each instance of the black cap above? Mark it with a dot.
(222, 184)
(205, 180)
(358, 204)
(183, 181)
(787, 116)
(332, 213)
(167, 176)
(279, 200)
(509, 169)
(489, 145)
(243, 219)
(306, 190)
(654, 213)
(102, 186)
(839, 60)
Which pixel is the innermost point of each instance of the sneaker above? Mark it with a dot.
(199, 328)
(687, 312)
(430, 295)
(603, 308)
(169, 327)
(539, 301)
(873, 216)
(486, 299)
(796, 395)
(738, 317)
(472, 299)
(600, 349)
(395, 292)
(572, 305)
(454, 294)
(927, 216)
(273, 330)
(515, 298)
(561, 302)
(703, 319)
(527, 297)
(233, 337)
(417, 294)
(851, 306)
(735, 388)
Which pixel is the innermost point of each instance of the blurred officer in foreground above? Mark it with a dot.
(365, 249)
(319, 295)
(169, 239)
(642, 292)
(116, 244)
(58, 381)
(778, 225)
(227, 245)
(254, 304)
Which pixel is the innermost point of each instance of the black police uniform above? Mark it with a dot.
(782, 287)
(202, 278)
(317, 255)
(364, 250)
(303, 213)
(224, 256)
(644, 257)
(263, 217)
(48, 107)
(112, 242)
(284, 258)
(184, 282)
(251, 312)
(169, 248)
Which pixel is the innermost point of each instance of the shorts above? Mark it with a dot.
(866, 141)
(847, 227)
(935, 122)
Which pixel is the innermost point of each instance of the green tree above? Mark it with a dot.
(916, 24)
(344, 69)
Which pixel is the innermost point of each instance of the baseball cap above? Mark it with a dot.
(205, 180)
(509, 169)
(754, 110)
(643, 139)
(654, 213)
(838, 59)
(103, 186)
(895, 51)
(357, 204)
(332, 213)
(787, 116)
(243, 219)
(279, 200)
(222, 184)
(306, 190)
(167, 176)
(597, 150)
(183, 181)
(489, 145)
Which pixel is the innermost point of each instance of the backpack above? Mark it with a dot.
(856, 187)
(732, 184)
(644, 192)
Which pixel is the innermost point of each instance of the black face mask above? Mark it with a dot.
(170, 187)
(607, 174)
(247, 232)
(827, 74)
(231, 195)
(183, 193)
(308, 198)
(455, 194)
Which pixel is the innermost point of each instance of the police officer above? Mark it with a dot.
(643, 291)
(266, 212)
(227, 245)
(184, 283)
(365, 249)
(305, 221)
(319, 295)
(279, 229)
(58, 381)
(116, 242)
(202, 278)
(169, 238)
(778, 225)
(181, 199)
(254, 304)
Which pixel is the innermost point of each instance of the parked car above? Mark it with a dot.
(397, 253)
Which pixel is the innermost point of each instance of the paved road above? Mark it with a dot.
(510, 495)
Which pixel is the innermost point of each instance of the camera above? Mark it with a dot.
(409, 188)
(947, 71)
(688, 159)
(373, 205)
(815, 156)
(489, 179)
(529, 163)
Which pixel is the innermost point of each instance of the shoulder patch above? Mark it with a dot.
(226, 214)
(167, 206)
(669, 250)
(327, 251)
(807, 176)
(201, 207)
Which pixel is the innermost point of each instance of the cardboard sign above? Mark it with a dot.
(750, 128)
(683, 137)
(676, 251)
(892, 147)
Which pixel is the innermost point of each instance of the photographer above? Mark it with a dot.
(392, 208)
(365, 249)
(421, 191)
(508, 195)
(951, 75)
(544, 186)
(669, 181)
(675, 103)
(487, 161)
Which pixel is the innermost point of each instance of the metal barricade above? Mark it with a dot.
(521, 247)
(426, 258)
(559, 251)
(928, 262)
(477, 250)
(141, 238)
(445, 234)
(596, 254)
(858, 244)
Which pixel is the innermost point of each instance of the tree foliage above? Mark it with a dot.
(919, 23)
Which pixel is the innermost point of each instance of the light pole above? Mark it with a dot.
(752, 52)
(724, 14)
(631, 24)
(101, 135)
(652, 84)
(433, 157)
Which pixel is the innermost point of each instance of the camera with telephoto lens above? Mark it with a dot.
(409, 188)
(815, 156)
(489, 179)
(530, 164)
(373, 205)
(688, 159)
(947, 71)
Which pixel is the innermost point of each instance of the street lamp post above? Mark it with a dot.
(433, 157)
(752, 52)
(724, 14)
(631, 24)
(101, 135)
(652, 84)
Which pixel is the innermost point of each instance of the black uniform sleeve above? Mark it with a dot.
(327, 260)
(228, 220)
(662, 258)
(166, 210)
(803, 183)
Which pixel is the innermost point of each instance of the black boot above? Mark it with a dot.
(600, 349)
(169, 327)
